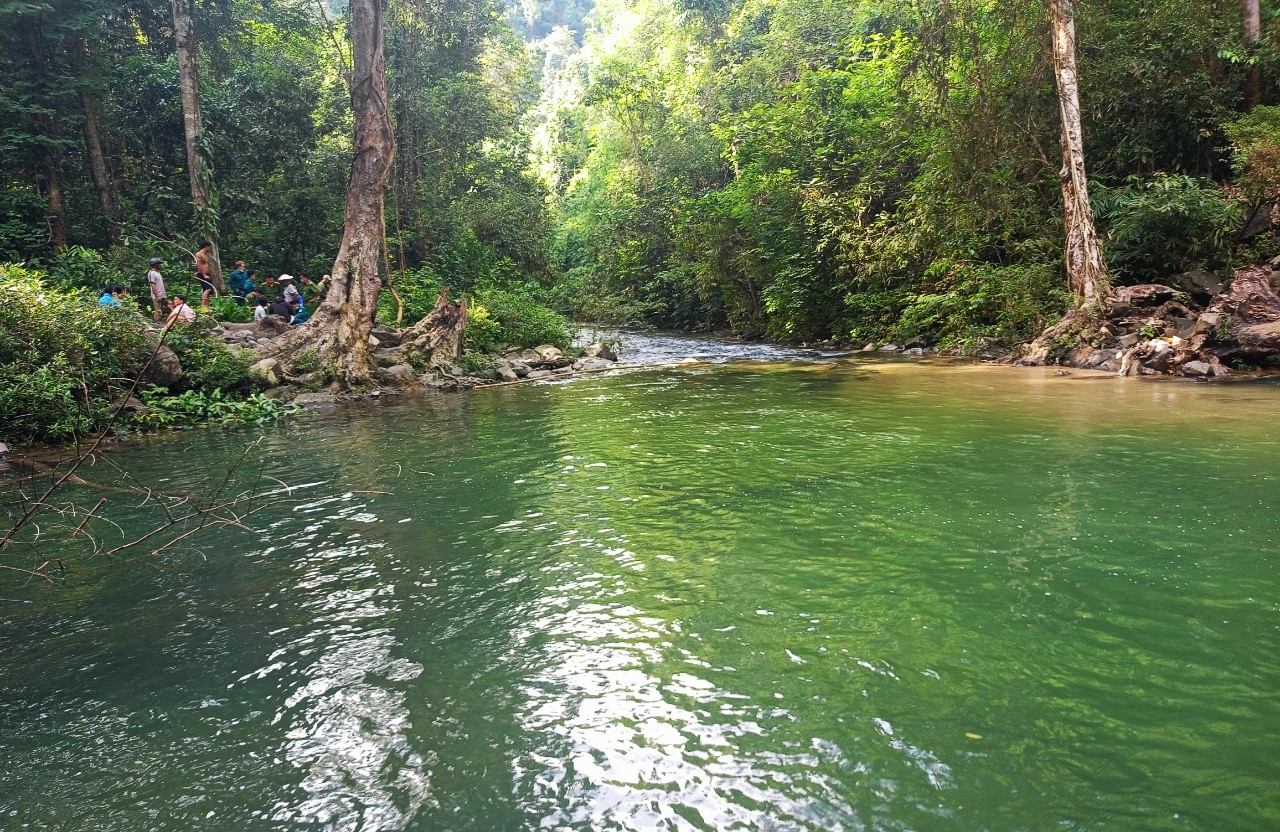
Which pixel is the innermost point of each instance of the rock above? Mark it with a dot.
(547, 352)
(1130, 340)
(889, 348)
(595, 364)
(601, 350)
(374, 342)
(529, 355)
(520, 369)
(1108, 330)
(915, 351)
(129, 405)
(1112, 365)
(1208, 322)
(265, 371)
(387, 358)
(272, 325)
(398, 373)
(1201, 285)
(1182, 327)
(565, 370)
(165, 369)
(1198, 369)
(4, 449)
(387, 337)
(539, 374)
(1274, 263)
(315, 400)
(505, 373)
(914, 341)
(871, 347)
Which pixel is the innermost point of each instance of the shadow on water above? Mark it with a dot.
(781, 592)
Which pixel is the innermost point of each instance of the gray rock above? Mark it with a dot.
(529, 355)
(602, 350)
(1183, 327)
(265, 371)
(505, 373)
(315, 400)
(915, 351)
(1197, 369)
(1111, 365)
(870, 347)
(4, 449)
(1199, 283)
(539, 374)
(1130, 340)
(1208, 322)
(374, 342)
(387, 358)
(520, 368)
(1274, 262)
(387, 337)
(596, 364)
(165, 369)
(547, 352)
(889, 348)
(398, 373)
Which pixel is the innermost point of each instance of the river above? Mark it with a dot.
(783, 590)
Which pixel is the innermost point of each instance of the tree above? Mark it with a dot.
(187, 48)
(1253, 70)
(1082, 254)
(104, 183)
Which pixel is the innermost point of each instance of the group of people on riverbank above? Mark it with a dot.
(285, 296)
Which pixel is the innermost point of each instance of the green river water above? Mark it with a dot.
(784, 595)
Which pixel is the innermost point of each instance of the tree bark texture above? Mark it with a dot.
(44, 124)
(1086, 269)
(1253, 70)
(103, 182)
(339, 331)
(188, 54)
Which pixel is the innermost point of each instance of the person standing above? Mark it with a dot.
(156, 281)
(236, 281)
(202, 272)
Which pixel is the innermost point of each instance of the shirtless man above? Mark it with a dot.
(202, 272)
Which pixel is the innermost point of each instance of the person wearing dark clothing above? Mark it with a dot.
(281, 307)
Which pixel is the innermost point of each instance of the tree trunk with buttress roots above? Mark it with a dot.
(1082, 253)
(188, 55)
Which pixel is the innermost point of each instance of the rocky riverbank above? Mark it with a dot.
(397, 370)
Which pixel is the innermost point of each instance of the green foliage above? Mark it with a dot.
(1255, 140)
(1165, 225)
(192, 407)
(514, 318)
(208, 363)
(226, 309)
(63, 358)
(476, 363)
(1151, 329)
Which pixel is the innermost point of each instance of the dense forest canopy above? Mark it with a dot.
(805, 169)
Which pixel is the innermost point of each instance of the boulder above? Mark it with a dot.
(889, 348)
(595, 364)
(1274, 263)
(505, 373)
(547, 352)
(164, 369)
(265, 371)
(387, 337)
(520, 368)
(387, 358)
(272, 325)
(1130, 340)
(915, 351)
(398, 373)
(1196, 369)
(1201, 285)
(601, 350)
(869, 347)
(374, 342)
(1208, 323)
(539, 374)
(1182, 327)
(129, 405)
(528, 356)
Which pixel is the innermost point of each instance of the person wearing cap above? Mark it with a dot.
(290, 290)
(156, 281)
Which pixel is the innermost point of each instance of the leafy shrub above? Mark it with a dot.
(968, 302)
(514, 317)
(194, 406)
(1256, 157)
(76, 268)
(63, 358)
(1165, 225)
(226, 309)
(208, 364)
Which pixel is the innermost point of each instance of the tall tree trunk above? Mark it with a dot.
(1253, 70)
(44, 124)
(1086, 268)
(103, 182)
(188, 47)
(339, 331)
